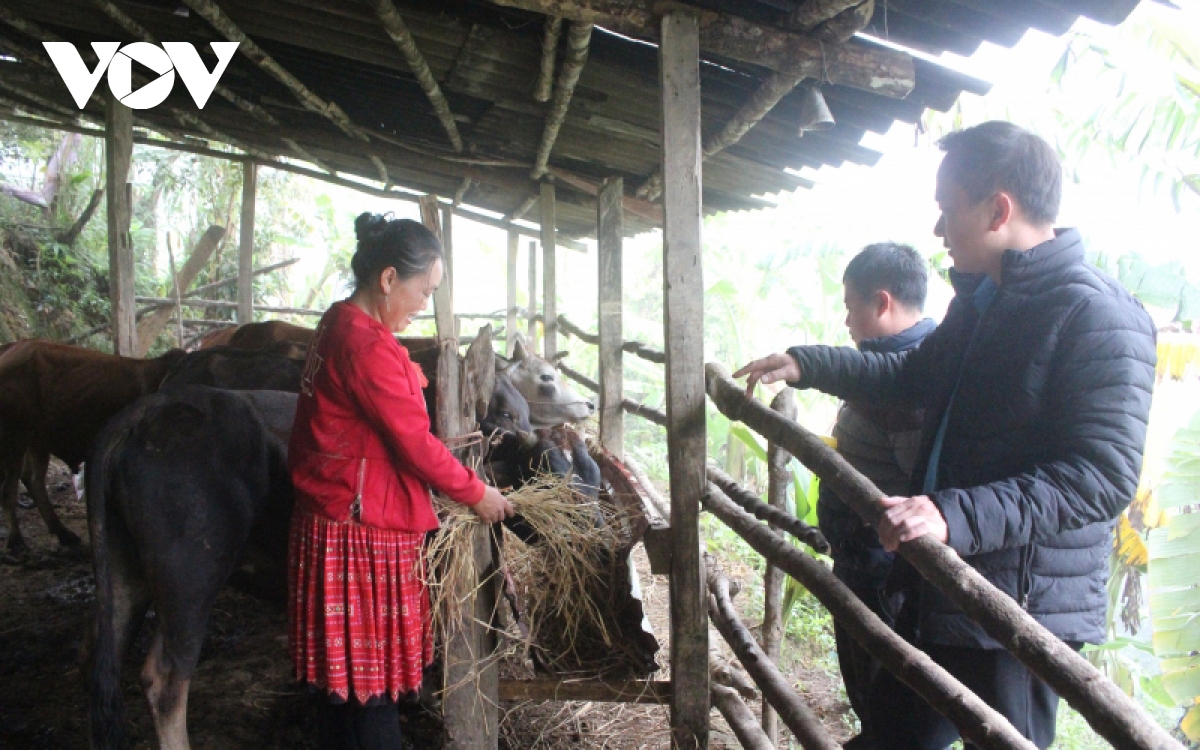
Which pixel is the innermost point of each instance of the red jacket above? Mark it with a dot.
(362, 433)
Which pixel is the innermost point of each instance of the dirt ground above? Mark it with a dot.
(242, 695)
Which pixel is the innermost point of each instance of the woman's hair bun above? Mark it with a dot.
(369, 225)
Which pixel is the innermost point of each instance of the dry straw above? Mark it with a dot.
(564, 579)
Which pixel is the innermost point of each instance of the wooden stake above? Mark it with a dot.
(245, 289)
(549, 276)
(579, 36)
(150, 326)
(395, 27)
(118, 155)
(532, 308)
(683, 304)
(610, 230)
(1114, 715)
(443, 300)
(779, 484)
(510, 324)
(175, 286)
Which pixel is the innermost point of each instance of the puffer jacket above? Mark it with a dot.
(882, 444)
(1044, 439)
(361, 449)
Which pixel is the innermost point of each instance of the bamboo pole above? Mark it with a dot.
(579, 36)
(774, 686)
(978, 722)
(395, 27)
(211, 12)
(544, 86)
(779, 482)
(1114, 715)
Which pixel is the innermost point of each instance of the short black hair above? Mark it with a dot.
(889, 266)
(384, 242)
(998, 155)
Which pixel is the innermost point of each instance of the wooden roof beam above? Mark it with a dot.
(544, 85)
(212, 13)
(858, 64)
(395, 27)
(775, 87)
(579, 37)
(136, 29)
(832, 20)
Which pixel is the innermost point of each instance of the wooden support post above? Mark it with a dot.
(549, 293)
(443, 300)
(245, 287)
(510, 324)
(448, 250)
(683, 304)
(532, 310)
(610, 230)
(118, 155)
(779, 482)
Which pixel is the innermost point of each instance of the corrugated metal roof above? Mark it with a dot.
(486, 58)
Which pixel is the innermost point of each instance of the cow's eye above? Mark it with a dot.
(547, 378)
(505, 415)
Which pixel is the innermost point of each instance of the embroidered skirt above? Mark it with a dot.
(358, 609)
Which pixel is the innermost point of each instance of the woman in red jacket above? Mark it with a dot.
(362, 460)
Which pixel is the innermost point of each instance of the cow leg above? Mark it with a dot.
(167, 692)
(10, 470)
(34, 476)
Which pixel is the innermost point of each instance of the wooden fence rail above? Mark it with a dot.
(636, 348)
(978, 722)
(1114, 715)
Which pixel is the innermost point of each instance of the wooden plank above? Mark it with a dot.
(683, 304)
(549, 293)
(610, 228)
(448, 250)
(595, 691)
(118, 155)
(245, 287)
(779, 481)
(443, 301)
(510, 325)
(532, 308)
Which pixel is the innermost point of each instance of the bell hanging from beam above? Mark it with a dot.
(814, 112)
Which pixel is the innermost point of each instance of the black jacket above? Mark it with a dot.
(883, 444)
(1044, 440)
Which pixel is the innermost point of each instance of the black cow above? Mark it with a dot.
(179, 485)
(237, 369)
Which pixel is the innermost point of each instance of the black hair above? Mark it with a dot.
(384, 242)
(1001, 156)
(891, 267)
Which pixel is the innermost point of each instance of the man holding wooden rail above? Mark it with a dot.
(1036, 389)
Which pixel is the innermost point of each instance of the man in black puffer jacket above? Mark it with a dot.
(1036, 389)
(885, 287)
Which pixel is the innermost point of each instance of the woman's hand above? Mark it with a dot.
(494, 507)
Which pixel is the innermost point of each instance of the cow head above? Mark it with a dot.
(507, 414)
(551, 401)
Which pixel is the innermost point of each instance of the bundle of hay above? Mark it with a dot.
(570, 583)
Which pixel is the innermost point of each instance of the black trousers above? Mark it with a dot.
(859, 669)
(994, 675)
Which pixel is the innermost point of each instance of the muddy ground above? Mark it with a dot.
(242, 695)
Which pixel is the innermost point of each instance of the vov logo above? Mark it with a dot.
(118, 61)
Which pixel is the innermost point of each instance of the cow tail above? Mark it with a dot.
(104, 684)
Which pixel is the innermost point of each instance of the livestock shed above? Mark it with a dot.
(559, 120)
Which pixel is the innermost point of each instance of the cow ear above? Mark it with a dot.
(519, 353)
(502, 364)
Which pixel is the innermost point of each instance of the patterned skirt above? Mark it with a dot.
(358, 611)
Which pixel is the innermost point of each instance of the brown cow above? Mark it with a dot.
(268, 335)
(54, 398)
